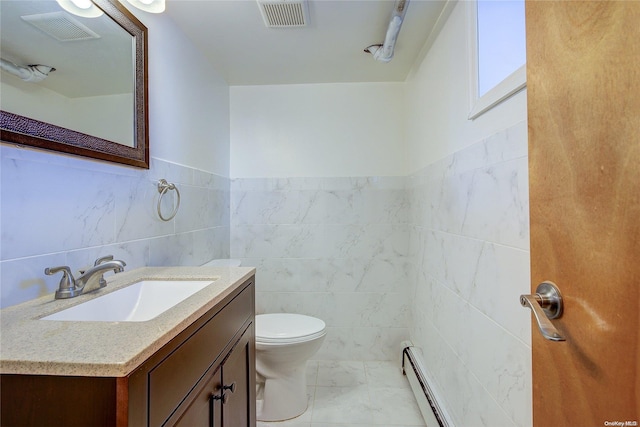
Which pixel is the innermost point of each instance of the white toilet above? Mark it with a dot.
(284, 343)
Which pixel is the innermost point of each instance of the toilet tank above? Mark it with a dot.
(225, 262)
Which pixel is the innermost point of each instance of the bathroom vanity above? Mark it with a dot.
(193, 365)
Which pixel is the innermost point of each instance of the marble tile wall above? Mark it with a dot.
(469, 246)
(59, 210)
(440, 256)
(334, 248)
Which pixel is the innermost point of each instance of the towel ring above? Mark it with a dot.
(163, 187)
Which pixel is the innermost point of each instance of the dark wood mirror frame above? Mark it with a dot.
(34, 133)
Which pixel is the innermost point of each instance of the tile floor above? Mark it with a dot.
(356, 394)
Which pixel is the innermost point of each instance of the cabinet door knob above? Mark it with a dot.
(231, 387)
(224, 397)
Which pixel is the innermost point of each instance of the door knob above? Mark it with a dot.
(546, 304)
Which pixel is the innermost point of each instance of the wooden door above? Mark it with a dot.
(583, 89)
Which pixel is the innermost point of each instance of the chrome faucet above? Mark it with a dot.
(89, 280)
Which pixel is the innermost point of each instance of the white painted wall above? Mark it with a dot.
(438, 100)
(365, 129)
(189, 101)
(317, 130)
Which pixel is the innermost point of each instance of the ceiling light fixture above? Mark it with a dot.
(152, 6)
(84, 8)
(384, 52)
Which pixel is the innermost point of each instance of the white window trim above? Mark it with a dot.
(508, 87)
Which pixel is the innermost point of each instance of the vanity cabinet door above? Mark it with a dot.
(174, 372)
(238, 369)
(206, 408)
(224, 396)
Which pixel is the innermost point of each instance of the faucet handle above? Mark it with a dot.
(67, 276)
(103, 259)
(67, 287)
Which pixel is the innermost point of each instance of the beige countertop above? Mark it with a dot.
(29, 345)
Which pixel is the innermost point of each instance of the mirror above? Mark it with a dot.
(73, 84)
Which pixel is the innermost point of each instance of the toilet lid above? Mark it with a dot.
(287, 327)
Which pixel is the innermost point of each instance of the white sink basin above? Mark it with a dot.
(138, 302)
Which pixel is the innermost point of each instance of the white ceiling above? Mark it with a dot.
(232, 34)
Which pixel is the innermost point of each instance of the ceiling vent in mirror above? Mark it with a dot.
(284, 13)
(61, 26)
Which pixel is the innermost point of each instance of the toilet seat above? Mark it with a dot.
(284, 328)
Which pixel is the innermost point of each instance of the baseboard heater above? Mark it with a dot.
(412, 367)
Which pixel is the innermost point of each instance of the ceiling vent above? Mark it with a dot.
(284, 13)
(60, 26)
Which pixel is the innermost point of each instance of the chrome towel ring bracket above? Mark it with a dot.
(163, 188)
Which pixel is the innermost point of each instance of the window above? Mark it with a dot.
(497, 43)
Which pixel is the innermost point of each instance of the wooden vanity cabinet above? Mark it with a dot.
(205, 376)
(223, 398)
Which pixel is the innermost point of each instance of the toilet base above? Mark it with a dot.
(284, 397)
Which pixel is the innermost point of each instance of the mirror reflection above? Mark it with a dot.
(66, 70)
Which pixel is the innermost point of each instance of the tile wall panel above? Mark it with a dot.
(333, 248)
(59, 210)
(469, 251)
